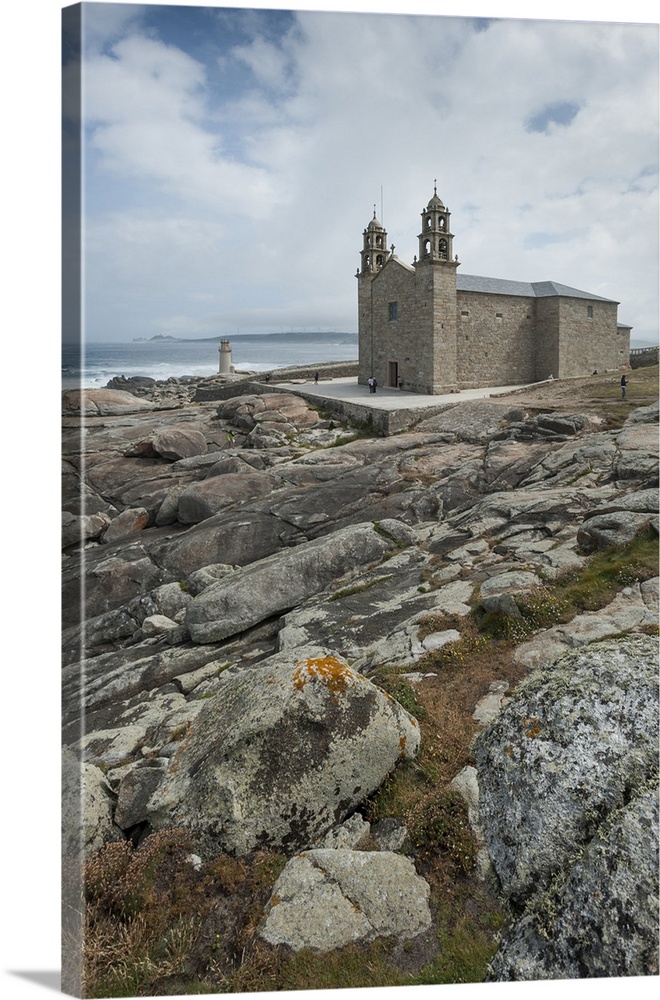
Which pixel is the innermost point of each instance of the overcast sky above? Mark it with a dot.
(233, 158)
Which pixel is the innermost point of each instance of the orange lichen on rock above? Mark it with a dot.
(328, 669)
(534, 727)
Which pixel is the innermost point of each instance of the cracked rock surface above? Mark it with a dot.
(326, 899)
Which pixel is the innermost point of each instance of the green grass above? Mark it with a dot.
(358, 588)
(607, 572)
(346, 968)
(402, 692)
(587, 588)
(465, 951)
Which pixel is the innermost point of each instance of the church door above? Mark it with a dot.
(393, 374)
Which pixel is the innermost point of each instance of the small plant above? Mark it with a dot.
(180, 732)
(358, 588)
(588, 588)
(458, 654)
(403, 785)
(434, 623)
(378, 528)
(404, 693)
(441, 826)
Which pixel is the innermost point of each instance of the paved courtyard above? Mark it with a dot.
(348, 390)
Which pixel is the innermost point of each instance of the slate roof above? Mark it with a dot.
(533, 289)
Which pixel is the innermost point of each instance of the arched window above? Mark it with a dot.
(429, 222)
(441, 224)
(380, 260)
(442, 249)
(427, 248)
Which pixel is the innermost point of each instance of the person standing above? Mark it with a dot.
(370, 383)
(316, 378)
(624, 386)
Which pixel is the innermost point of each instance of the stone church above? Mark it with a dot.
(426, 328)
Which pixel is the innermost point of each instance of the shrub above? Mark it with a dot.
(119, 879)
(441, 827)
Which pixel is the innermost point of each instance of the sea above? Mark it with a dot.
(92, 365)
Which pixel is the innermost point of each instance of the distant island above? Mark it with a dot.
(158, 336)
(347, 338)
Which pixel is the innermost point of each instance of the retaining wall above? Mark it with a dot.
(643, 357)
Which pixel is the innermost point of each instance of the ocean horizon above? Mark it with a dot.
(92, 365)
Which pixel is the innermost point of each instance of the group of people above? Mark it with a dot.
(373, 383)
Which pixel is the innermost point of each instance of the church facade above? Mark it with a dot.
(426, 328)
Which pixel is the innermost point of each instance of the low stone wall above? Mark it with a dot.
(333, 369)
(643, 357)
(383, 422)
(253, 382)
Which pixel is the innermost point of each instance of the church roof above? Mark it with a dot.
(532, 290)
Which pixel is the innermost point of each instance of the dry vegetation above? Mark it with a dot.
(156, 925)
(596, 394)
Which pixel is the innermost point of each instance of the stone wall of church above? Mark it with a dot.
(401, 345)
(588, 339)
(365, 331)
(547, 338)
(435, 294)
(414, 326)
(495, 339)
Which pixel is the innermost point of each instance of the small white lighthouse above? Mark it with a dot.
(225, 358)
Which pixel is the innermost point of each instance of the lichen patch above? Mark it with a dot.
(330, 671)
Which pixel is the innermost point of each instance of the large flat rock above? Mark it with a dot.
(327, 899)
(283, 581)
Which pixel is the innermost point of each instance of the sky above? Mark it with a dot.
(232, 158)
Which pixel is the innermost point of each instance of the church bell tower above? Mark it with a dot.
(435, 283)
(372, 260)
(374, 247)
(436, 241)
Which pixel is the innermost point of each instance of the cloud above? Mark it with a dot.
(230, 183)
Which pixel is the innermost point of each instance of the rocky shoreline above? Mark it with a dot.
(253, 571)
(199, 388)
